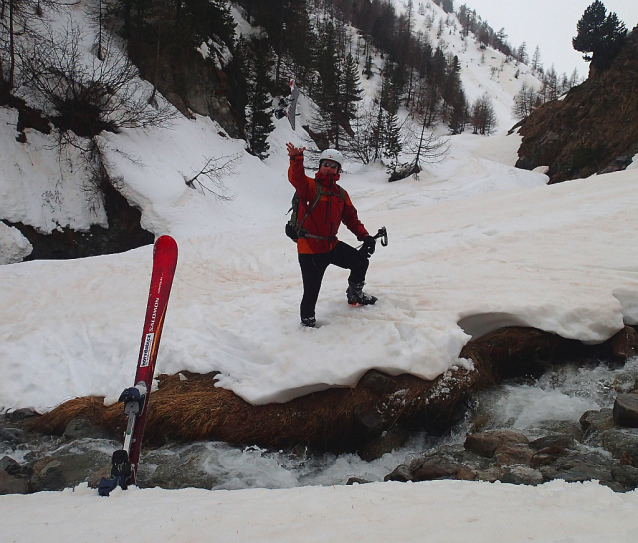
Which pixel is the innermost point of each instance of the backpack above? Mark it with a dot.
(294, 227)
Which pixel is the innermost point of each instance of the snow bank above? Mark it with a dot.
(438, 511)
(14, 247)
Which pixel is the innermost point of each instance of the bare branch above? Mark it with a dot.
(214, 170)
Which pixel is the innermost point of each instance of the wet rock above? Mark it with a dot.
(580, 466)
(621, 441)
(68, 467)
(11, 436)
(597, 421)
(435, 467)
(513, 454)
(188, 473)
(390, 440)
(13, 468)
(626, 459)
(20, 414)
(83, 428)
(562, 441)
(490, 474)
(625, 410)
(625, 475)
(466, 474)
(547, 456)
(522, 475)
(356, 481)
(573, 429)
(401, 474)
(624, 344)
(6, 463)
(13, 484)
(47, 475)
(96, 476)
(486, 443)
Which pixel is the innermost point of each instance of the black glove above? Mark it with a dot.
(369, 244)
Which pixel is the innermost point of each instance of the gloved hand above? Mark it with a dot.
(369, 245)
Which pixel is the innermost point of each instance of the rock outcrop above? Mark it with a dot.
(593, 129)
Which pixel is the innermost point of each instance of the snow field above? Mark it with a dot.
(437, 512)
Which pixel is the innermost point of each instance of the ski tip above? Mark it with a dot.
(165, 244)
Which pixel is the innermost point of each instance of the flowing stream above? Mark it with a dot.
(537, 407)
(550, 404)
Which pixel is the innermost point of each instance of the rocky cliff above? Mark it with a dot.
(593, 129)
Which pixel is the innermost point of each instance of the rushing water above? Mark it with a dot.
(535, 407)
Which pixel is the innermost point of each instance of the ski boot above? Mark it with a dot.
(356, 296)
(309, 322)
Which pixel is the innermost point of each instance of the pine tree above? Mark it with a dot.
(521, 54)
(259, 123)
(600, 34)
(536, 59)
(551, 86)
(325, 91)
(350, 91)
(367, 70)
(459, 114)
(392, 141)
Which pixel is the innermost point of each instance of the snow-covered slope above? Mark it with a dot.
(554, 257)
(474, 244)
(483, 70)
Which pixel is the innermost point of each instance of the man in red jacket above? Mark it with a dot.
(319, 246)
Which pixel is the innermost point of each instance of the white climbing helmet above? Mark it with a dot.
(332, 154)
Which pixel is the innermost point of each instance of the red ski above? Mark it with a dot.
(136, 398)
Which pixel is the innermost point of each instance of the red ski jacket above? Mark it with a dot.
(331, 210)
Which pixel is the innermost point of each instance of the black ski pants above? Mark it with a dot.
(313, 267)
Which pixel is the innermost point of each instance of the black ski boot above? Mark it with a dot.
(309, 322)
(356, 296)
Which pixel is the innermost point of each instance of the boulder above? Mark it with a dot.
(80, 428)
(68, 466)
(435, 467)
(621, 441)
(522, 475)
(547, 456)
(597, 421)
(401, 474)
(625, 475)
(13, 484)
(486, 443)
(510, 455)
(625, 410)
(561, 441)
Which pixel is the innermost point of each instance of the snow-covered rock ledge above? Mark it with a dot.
(371, 418)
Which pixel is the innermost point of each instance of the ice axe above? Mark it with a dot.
(381, 234)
